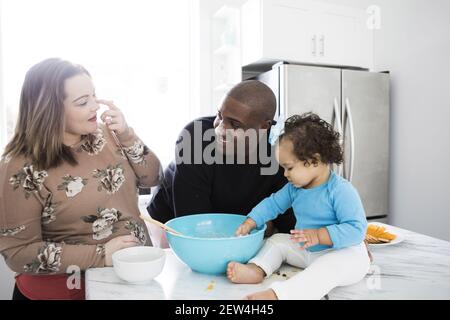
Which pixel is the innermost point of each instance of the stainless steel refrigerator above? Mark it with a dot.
(356, 102)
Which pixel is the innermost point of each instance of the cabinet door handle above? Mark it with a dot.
(313, 45)
(322, 45)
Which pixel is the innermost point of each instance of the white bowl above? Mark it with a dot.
(138, 264)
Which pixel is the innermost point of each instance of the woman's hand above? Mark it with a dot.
(245, 228)
(118, 243)
(113, 117)
(309, 237)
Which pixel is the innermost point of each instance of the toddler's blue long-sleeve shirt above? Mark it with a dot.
(335, 205)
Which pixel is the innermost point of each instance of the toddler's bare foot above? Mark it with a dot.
(268, 294)
(244, 273)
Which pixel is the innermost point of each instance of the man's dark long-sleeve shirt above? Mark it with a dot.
(215, 188)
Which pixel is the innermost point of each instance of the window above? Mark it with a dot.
(138, 53)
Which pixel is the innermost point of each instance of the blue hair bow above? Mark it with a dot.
(276, 130)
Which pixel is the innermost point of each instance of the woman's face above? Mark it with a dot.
(80, 106)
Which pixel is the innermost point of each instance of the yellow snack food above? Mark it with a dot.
(378, 234)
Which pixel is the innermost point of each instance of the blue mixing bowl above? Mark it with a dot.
(208, 242)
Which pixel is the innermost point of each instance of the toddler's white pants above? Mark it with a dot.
(324, 270)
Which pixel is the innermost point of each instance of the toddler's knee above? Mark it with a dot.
(355, 267)
(278, 238)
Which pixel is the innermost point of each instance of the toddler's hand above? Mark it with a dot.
(245, 228)
(309, 237)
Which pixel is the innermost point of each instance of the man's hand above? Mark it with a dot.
(245, 228)
(270, 230)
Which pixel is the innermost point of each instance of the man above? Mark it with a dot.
(193, 184)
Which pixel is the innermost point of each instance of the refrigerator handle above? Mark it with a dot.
(348, 117)
(337, 118)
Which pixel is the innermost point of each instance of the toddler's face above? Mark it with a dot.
(295, 170)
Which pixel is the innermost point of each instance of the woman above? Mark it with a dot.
(68, 185)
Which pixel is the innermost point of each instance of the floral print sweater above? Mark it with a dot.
(54, 219)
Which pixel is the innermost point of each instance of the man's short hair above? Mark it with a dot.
(257, 96)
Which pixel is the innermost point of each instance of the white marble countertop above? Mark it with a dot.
(417, 268)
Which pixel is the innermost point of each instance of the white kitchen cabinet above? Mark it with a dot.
(343, 36)
(304, 31)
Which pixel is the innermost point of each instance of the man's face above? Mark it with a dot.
(235, 121)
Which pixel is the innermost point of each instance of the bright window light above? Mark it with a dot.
(137, 52)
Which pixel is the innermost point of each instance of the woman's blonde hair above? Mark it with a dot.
(40, 127)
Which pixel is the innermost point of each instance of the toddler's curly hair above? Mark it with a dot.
(312, 135)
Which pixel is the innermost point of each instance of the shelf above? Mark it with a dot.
(226, 52)
(226, 49)
(225, 12)
(223, 87)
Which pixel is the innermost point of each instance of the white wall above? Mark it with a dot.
(414, 44)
